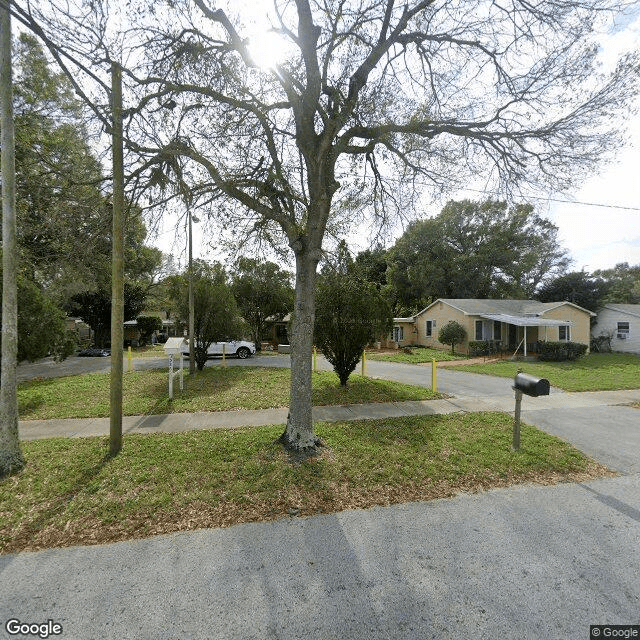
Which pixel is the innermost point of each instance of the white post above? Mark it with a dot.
(171, 377)
(181, 373)
(525, 340)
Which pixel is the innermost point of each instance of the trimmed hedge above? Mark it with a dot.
(559, 351)
(478, 347)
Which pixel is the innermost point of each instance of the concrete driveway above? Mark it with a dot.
(609, 434)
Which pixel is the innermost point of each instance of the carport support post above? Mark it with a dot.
(516, 421)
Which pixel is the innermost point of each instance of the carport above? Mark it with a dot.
(526, 321)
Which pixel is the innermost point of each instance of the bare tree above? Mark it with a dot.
(11, 458)
(373, 99)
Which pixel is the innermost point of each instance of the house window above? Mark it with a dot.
(497, 330)
(429, 328)
(398, 333)
(564, 333)
(479, 335)
(622, 331)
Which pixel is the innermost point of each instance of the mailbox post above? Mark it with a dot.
(173, 347)
(516, 421)
(531, 386)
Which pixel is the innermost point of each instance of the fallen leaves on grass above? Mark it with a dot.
(226, 513)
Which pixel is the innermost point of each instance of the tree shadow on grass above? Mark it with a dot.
(204, 384)
(56, 506)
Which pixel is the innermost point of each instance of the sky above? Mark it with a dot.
(600, 223)
(598, 237)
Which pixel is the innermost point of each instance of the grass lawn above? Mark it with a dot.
(71, 493)
(151, 351)
(417, 356)
(594, 372)
(217, 388)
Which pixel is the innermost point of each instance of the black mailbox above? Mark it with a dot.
(531, 386)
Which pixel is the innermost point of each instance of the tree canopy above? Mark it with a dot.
(215, 312)
(64, 216)
(263, 291)
(579, 287)
(623, 282)
(42, 329)
(475, 250)
(94, 307)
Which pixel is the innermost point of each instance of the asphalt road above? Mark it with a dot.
(527, 562)
(449, 381)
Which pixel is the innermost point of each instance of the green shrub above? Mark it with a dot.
(147, 325)
(560, 351)
(350, 313)
(478, 347)
(452, 333)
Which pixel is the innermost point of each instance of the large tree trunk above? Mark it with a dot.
(11, 458)
(299, 435)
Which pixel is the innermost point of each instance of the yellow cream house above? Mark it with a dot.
(511, 325)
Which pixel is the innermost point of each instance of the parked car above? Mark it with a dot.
(94, 352)
(240, 348)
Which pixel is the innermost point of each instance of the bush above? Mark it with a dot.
(452, 333)
(147, 325)
(561, 351)
(478, 347)
(350, 314)
(602, 343)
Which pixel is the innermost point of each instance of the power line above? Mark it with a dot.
(528, 197)
(586, 204)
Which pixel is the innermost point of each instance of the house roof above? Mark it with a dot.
(517, 308)
(527, 321)
(630, 309)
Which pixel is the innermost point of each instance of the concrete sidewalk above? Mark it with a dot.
(178, 422)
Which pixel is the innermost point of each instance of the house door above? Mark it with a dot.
(513, 336)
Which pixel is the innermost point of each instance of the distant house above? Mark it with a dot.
(277, 330)
(622, 323)
(82, 330)
(507, 324)
(132, 333)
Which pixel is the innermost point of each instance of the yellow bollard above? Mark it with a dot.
(224, 354)
(129, 360)
(434, 382)
(364, 363)
(315, 359)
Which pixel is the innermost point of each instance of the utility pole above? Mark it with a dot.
(117, 274)
(11, 458)
(192, 346)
